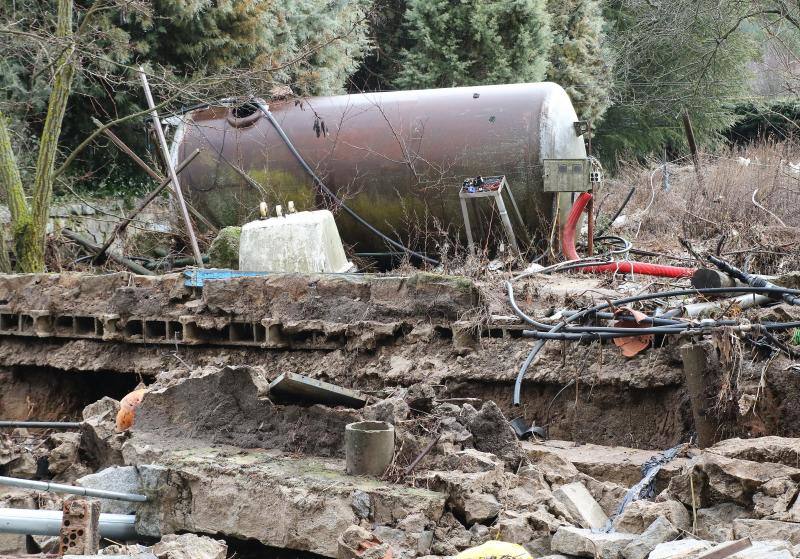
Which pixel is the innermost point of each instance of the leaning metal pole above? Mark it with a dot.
(40, 424)
(118, 527)
(176, 186)
(71, 489)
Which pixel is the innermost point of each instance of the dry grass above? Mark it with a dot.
(716, 213)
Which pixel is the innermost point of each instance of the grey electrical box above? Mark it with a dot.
(566, 175)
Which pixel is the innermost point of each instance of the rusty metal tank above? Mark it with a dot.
(396, 158)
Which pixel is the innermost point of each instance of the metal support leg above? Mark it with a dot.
(501, 207)
(467, 226)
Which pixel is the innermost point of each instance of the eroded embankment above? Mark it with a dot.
(372, 332)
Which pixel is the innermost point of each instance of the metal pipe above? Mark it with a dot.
(176, 185)
(41, 424)
(71, 489)
(119, 527)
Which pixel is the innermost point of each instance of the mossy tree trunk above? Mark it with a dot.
(29, 222)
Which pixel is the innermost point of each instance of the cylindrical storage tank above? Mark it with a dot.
(368, 447)
(397, 158)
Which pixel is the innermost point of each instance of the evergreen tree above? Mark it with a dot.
(471, 42)
(580, 61)
(671, 56)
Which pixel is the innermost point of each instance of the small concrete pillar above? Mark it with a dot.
(80, 527)
(369, 447)
(699, 361)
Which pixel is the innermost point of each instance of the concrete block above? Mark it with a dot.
(581, 505)
(305, 242)
(586, 543)
(116, 478)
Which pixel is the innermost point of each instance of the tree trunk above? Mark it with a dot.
(31, 236)
(11, 187)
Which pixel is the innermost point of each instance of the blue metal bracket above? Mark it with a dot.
(196, 277)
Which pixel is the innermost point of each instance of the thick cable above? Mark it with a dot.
(626, 267)
(619, 211)
(321, 185)
(635, 298)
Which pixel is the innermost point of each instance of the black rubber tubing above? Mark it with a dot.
(591, 310)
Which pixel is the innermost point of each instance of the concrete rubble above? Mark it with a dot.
(231, 469)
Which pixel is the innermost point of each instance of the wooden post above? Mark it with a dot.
(687, 126)
(699, 360)
(176, 185)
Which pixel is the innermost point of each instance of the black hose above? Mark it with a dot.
(642, 297)
(749, 279)
(318, 182)
(619, 211)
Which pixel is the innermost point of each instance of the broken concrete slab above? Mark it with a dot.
(309, 499)
(294, 388)
(765, 550)
(680, 549)
(221, 406)
(639, 515)
(660, 531)
(586, 543)
(757, 529)
(716, 523)
(780, 450)
(718, 479)
(581, 505)
(616, 464)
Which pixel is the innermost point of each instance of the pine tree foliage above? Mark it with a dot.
(470, 42)
(671, 56)
(580, 60)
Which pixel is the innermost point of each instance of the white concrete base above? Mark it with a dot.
(305, 242)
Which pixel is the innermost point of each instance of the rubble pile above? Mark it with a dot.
(213, 452)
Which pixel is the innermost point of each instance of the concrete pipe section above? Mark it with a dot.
(369, 447)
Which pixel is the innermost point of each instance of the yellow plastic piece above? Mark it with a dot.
(498, 550)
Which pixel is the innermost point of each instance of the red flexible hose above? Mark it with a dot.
(626, 267)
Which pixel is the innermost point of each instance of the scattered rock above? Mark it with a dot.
(450, 536)
(63, 460)
(661, 530)
(190, 546)
(474, 461)
(556, 470)
(391, 410)
(477, 507)
(512, 527)
(716, 523)
(421, 397)
(679, 549)
(639, 515)
(491, 432)
(581, 505)
(766, 530)
(116, 478)
(101, 445)
(586, 543)
(224, 249)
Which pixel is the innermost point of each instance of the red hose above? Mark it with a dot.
(626, 267)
